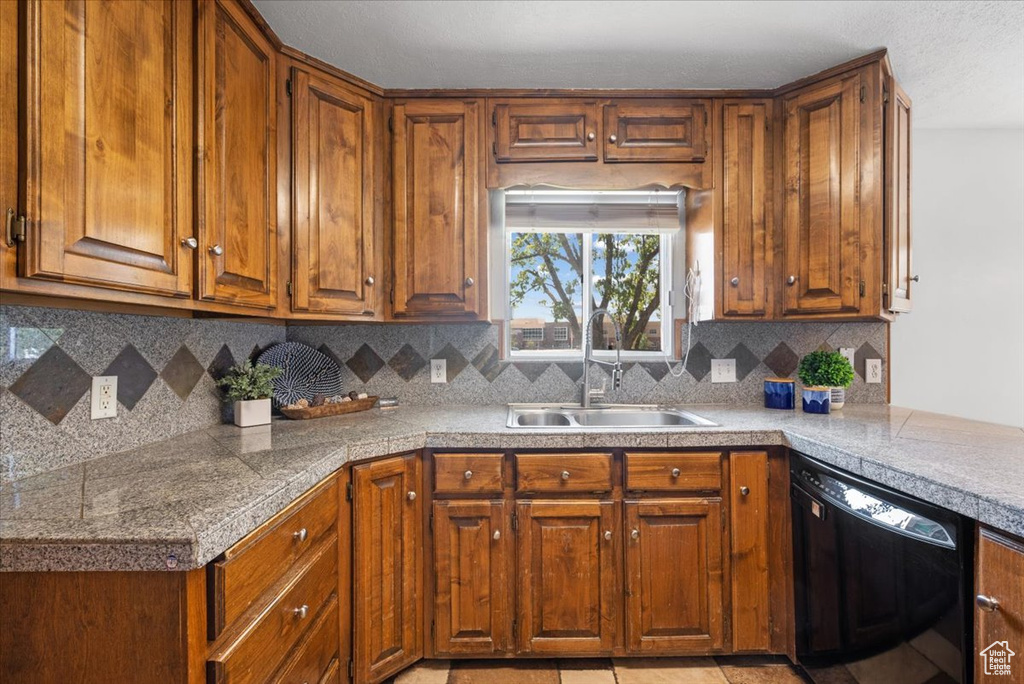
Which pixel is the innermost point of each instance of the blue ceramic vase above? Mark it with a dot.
(779, 393)
(817, 399)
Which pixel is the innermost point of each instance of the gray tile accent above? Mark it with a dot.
(221, 363)
(745, 360)
(52, 385)
(455, 361)
(860, 357)
(782, 360)
(699, 363)
(134, 376)
(182, 372)
(488, 363)
(532, 371)
(329, 353)
(657, 370)
(574, 371)
(407, 362)
(365, 363)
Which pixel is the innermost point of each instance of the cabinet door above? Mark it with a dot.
(745, 191)
(674, 581)
(438, 270)
(999, 628)
(548, 130)
(897, 273)
(655, 130)
(237, 185)
(821, 204)
(471, 598)
(333, 246)
(568, 553)
(387, 515)
(748, 503)
(108, 139)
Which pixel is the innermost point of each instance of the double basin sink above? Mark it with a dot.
(560, 416)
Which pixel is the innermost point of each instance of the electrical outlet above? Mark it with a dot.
(849, 353)
(104, 396)
(873, 371)
(438, 370)
(723, 370)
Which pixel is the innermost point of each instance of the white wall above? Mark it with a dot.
(961, 350)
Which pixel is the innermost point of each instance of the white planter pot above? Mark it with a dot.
(252, 412)
(838, 397)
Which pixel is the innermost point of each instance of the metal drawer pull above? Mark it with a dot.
(735, 281)
(744, 490)
(591, 135)
(565, 474)
(468, 474)
(635, 534)
(497, 535)
(790, 280)
(411, 496)
(301, 535)
(916, 279)
(676, 472)
(987, 603)
(216, 250)
(302, 611)
(469, 282)
(190, 242)
(608, 535)
(369, 280)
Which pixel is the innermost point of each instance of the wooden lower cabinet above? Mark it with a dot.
(999, 608)
(674, 575)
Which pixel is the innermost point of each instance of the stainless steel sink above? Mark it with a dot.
(562, 417)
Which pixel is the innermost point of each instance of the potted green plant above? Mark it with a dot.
(827, 369)
(250, 386)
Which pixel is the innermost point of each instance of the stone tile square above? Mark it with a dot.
(52, 385)
(504, 672)
(182, 372)
(782, 360)
(488, 363)
(574, 371)
(221, 363)
(746, 361)
(690, 670)
(902, 664)
(407, 362)
(860, 357)
(532, 371)
(425, 672)
(329, 353)
(134, 376)
(455, 361)
(365, 363)
(758, 670)
(657, 370)
(699, 363)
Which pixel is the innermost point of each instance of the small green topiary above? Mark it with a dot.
(246, 381)
(825, 369)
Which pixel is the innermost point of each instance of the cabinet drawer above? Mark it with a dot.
(255, 563)
(546, 130)
(655, 130)
(681, 471)
(588, 472)
(317, 654)
(468, 473)
(261, 647)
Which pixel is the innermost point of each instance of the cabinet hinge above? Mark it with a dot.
(515, 630)
(705, 117)
(885, 288)
(288, 286)
(885, 95)
(494, 118)
(391, 124)
(15, 228)
(862, 288)
(288, 87)
(432, 632)
(863, 93)
(348, 491)
(431, 522)
(515, 522)
(494, 149)
(351, 669)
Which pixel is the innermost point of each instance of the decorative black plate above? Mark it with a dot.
(306, 372)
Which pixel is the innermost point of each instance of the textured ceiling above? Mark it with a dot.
(962, 63)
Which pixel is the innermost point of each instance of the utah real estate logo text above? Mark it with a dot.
(997, 658)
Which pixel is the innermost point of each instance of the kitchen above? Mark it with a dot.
(453, 342)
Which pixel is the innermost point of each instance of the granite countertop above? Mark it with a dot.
(180, 503)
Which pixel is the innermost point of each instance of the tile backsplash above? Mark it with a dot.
(167, 367)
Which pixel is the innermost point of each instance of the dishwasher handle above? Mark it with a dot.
(805, 499)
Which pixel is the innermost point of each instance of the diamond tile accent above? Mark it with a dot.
(573, 370)
(329, 353)
(52, 385)
(255, 353)
(699, 363)
(456, 362)
(656, 370)
(365, 363)
(532, 371)
(488, 363)
(782, 360)
(134, 376)
(407, 362)
(746, 360)
(182, 372)
(863, 353)
(223, 361)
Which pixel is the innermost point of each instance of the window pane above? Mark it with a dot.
(626, 280)
(546, 290)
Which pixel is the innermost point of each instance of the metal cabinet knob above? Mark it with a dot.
(216, 250)
(735, 281)
(635, 534)
(565, 474)
(744, 490)
(302, 611)
(301, 535)
(591, 135)
(916, 279)
(608, 535)
(369, 280)
(497, 535)
(613, 138)
(987, 603)
(190, 242)
(791, 280)
(411, 496)
(469, 282)
(468, 474)
(676, 472)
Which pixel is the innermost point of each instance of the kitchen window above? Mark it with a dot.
(569, 253)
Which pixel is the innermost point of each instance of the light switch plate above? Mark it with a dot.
(104, 397)
(723, 370)
(438, 370)
(849, 353)
(873, 371)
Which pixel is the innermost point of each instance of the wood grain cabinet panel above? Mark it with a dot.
(745, 193)
(898, 276)
(673, 471)
(655, 130)
(387, 567)
(568, 602)
(674, 576)
(469, 474)
(438, 266)
(557, 472)
(334, 251)
(317, 654)
(749, 511)
(999, 577)
(238, 153)
(822, 214)
(472, 590)
(107, 112)
(545, 130)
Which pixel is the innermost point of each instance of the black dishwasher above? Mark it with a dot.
(881, 579)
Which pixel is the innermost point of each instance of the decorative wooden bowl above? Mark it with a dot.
(354, 406)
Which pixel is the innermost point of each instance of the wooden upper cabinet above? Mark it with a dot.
(567, 580)
(334, 250)
(897, 272)
(387, 567)
(439, 269)
(545, 130)
(744, 198)
(999, 605)
(652, 130)
(823, 161)
(238, 158)
(674, 576)
(107, 111)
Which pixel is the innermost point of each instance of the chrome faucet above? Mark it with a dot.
(588, 353)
